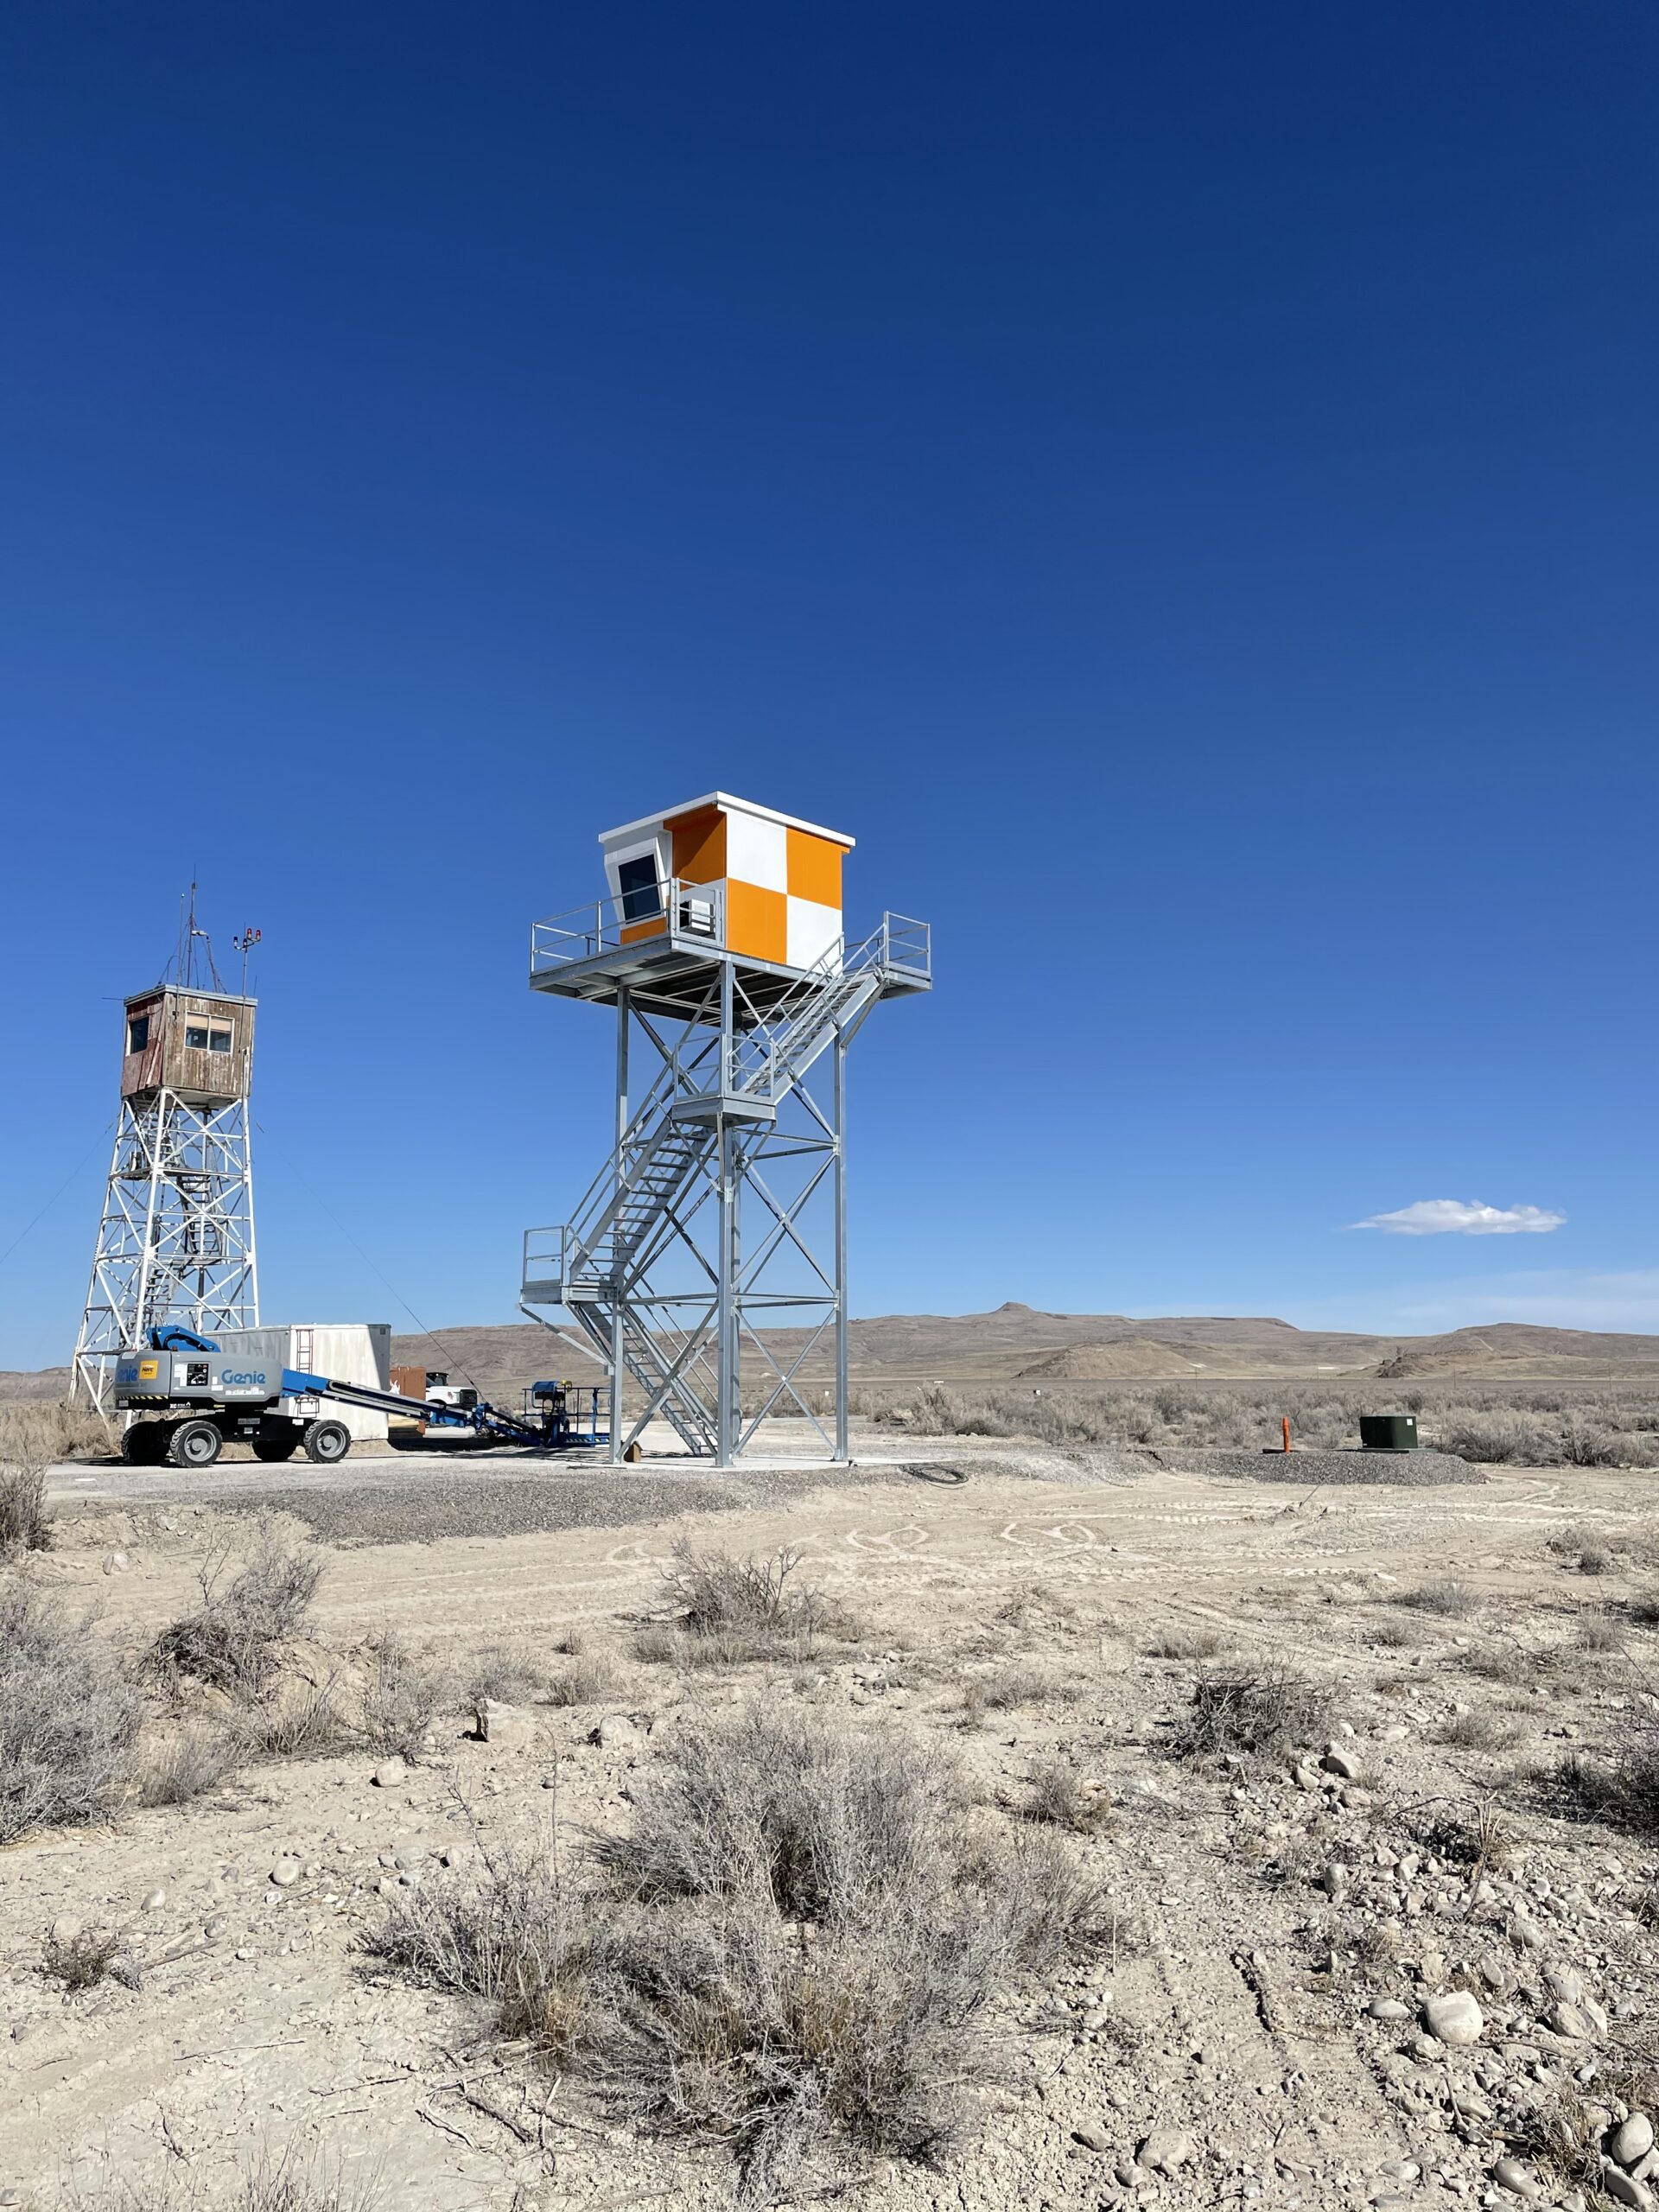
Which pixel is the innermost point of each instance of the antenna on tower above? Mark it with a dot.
(183, 963)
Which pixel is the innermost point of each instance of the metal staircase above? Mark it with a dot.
(714, 1101)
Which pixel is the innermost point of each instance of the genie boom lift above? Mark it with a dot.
(213, 1398)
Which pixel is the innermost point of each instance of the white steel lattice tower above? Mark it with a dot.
(175, 1242)
(712, 1246)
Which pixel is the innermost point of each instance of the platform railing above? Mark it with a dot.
(689, 913)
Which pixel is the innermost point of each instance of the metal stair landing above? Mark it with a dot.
(674, 1263)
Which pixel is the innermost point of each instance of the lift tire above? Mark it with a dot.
(327, 1440)
(276, 1447)
(194, 1444)
(144, 1445)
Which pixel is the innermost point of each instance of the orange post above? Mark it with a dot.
(1286, 1427)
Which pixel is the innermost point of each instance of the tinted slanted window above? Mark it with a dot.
(636, 879)
(138, 1032)
(195, 1037)
(219, 1041)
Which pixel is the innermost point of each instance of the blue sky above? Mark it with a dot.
(1176, 483)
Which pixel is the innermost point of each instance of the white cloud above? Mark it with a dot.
(1463, 1217)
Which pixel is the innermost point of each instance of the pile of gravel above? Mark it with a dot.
(1411, 1470)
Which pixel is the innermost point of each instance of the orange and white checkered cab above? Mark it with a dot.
(776, 880)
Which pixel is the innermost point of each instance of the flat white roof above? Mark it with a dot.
(741, 805)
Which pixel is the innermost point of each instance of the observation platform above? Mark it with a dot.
(665, 945)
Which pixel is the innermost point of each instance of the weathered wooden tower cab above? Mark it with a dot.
(175, 1242)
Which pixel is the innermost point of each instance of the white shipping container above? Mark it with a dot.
(345, 1352)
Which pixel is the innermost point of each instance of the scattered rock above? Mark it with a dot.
(1092, 2136)
(1510, 2174)
(614, 1732)
(1387, 2008)
(152, 1901)
(1566, 2021)
(507, 1728)
(1632, 2139)
(285, 1874)
(117, 1563)
(1165, 2151)
(1624, 2188)
(1341, 1762)
(1454, 2017)
(389, 1773)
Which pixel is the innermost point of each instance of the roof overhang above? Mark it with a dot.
(725, 801)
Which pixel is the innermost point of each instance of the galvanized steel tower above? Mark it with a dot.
(175, 1242)
(720, 946)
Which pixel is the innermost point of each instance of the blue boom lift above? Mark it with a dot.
(240, 1403)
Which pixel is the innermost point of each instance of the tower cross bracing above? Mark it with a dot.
(175, 1240)
(706, 1266)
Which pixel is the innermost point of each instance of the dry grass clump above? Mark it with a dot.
(794, 1951)
(402, 1698)
(67, 1718)
(81, 1959)
(1250, 1709)
(584, 1681)
(1622, 1790)
(1390, 1634)
(1184, 1643)
(36, 1432)
(728, 1610)
(302, 1721)
(297, 2177)
(233, 1643)
(188, 1762)
(509, 1674)
(1600, 1632)
(1021, 1681)
(1059, 1799)
(25, 1525)
(1476, 1731)
(1445, 1595)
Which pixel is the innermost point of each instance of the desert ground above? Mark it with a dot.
(1339, 1797)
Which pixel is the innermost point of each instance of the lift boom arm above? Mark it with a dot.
(487, 1419)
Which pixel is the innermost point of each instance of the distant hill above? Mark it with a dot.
(1025, 1343)
(1517, 1348)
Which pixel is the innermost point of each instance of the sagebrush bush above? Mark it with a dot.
(232, 1642)
(793, 1950)
(68, 1719)
(728, 1610)
(1523, 1425)
(402, 1698)
(1251, 1709)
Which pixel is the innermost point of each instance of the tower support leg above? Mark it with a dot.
(839, 1110)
